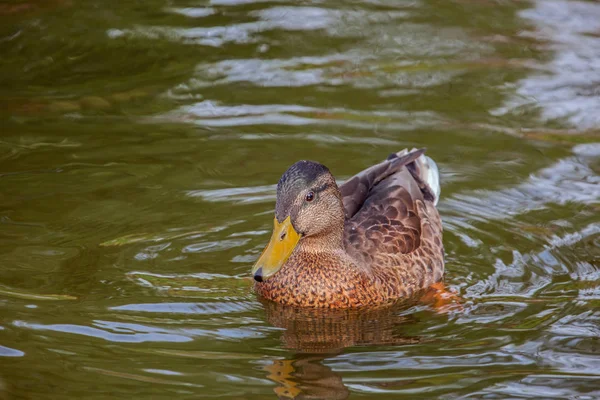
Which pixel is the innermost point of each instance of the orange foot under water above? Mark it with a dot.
(442, 299)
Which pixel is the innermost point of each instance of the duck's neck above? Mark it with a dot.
(330, 241)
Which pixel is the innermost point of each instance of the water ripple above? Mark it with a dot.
(214, 308)
(569, 180)
(124, 333)
(192, 12)
(8, 352)
(567, 88)
(214, 114)
(378, 361)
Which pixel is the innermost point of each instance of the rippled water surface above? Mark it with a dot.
(140, 146)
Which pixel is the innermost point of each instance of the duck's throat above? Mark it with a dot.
(328, 242)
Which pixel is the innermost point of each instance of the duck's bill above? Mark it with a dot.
(283, 242)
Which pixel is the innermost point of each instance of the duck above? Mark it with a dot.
(373, 240)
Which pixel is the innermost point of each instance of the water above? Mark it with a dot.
(139, 151)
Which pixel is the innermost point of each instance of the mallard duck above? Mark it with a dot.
(373, 240)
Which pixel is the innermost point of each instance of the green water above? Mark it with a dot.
(140, 146)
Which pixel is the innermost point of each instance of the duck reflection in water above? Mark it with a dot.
(316, 335)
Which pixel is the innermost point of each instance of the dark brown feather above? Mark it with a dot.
(356, 189)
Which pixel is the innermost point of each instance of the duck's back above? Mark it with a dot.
(392, 226)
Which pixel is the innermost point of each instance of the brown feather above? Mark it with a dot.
(392, 244)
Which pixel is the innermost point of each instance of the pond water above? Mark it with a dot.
(140, 146)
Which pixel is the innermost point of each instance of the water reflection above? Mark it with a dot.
(316, 335)
(331, 331)
(305, 377)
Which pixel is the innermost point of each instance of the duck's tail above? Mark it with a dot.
(428, 171)
(424, 169)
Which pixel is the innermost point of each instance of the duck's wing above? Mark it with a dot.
(386, 206)
(356, 189)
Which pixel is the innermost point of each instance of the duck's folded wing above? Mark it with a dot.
(356, 189)
(384, 208)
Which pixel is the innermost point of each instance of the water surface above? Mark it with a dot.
(140, 147)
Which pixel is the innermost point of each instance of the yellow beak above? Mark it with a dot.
(283, 242)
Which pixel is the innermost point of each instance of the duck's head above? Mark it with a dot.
(309, 209)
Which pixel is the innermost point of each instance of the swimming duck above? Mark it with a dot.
(374, 239)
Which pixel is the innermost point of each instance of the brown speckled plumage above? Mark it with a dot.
(387, 244)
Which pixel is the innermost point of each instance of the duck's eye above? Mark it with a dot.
(310, 196)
